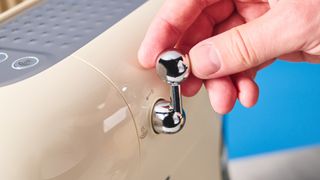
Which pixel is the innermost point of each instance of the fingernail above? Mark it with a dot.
(205, 60)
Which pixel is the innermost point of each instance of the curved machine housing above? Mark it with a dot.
(82, 110)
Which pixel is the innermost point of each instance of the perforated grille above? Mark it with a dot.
(57, 28)
(63, 24)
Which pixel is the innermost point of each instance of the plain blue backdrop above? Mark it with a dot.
(287, 114)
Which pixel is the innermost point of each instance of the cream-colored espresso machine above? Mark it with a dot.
(76, 105)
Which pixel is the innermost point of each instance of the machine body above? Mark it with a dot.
(76, 105)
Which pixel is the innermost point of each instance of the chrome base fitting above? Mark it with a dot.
(168, 116)
(165, 119)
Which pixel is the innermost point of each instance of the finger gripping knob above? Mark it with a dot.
(168, 116)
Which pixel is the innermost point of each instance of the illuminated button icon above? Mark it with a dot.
(3, 57)
(25, 63)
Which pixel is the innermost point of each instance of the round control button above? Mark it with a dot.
(3, 57)
(25, 63)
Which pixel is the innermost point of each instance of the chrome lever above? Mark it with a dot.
(168, 116)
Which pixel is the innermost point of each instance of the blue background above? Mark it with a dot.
(287, 114)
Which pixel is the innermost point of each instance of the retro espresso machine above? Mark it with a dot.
(75, 104)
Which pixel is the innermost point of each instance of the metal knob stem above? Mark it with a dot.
(168, 116)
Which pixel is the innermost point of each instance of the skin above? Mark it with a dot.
(228, 41)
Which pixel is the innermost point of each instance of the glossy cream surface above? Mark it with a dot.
(89, 117)
(66, 123)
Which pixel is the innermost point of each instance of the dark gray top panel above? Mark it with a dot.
(45, 34)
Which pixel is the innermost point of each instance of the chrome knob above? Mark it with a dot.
(172, 67)
(168, 116)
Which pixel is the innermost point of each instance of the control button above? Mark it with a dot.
(25, 63)
(3, 57)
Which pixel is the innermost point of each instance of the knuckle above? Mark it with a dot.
(242, 49)
(299, 13)
(304, 18)
(302, 13)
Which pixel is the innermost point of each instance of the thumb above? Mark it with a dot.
(245, 46)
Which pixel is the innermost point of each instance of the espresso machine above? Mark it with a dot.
(76, 105)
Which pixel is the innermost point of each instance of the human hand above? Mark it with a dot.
(230, 40)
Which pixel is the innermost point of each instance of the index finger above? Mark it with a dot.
(173, 19)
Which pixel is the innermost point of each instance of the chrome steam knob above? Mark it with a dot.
(168, 116)
(172, 67)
